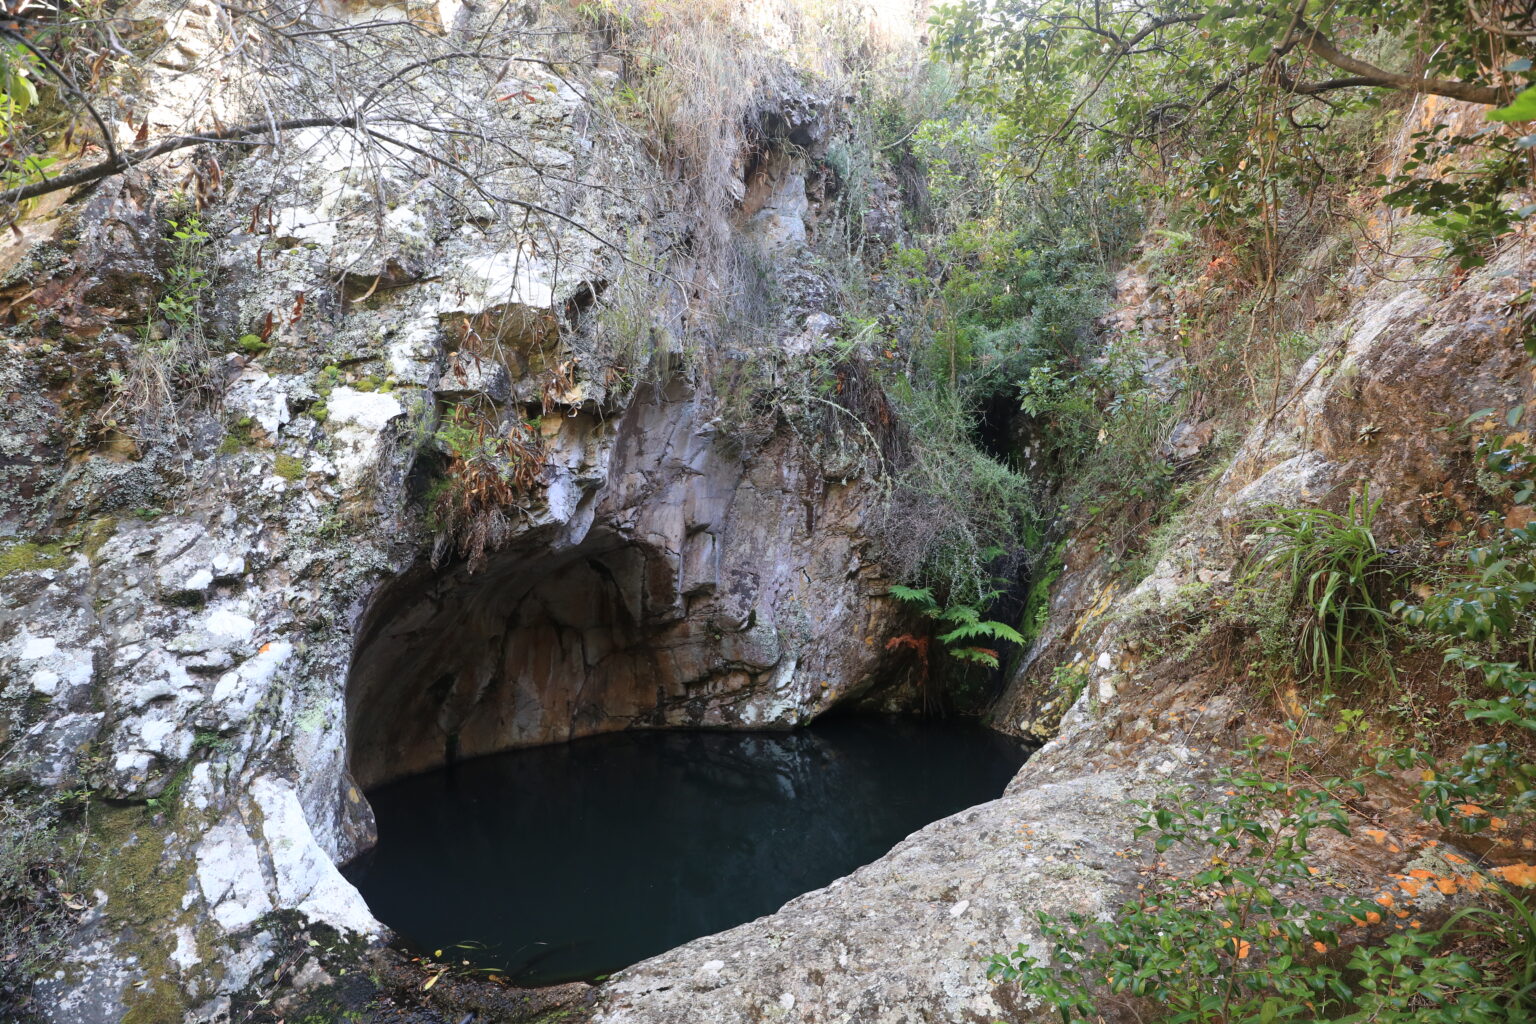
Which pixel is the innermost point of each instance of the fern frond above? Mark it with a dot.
(980, 655)
(989, 629)
(921, 596)
(961, 613)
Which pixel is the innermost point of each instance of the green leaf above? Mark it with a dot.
(988, 629)
(1522, 109)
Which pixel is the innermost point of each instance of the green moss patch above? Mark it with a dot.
(26, 556)
(126, 855)
(97, 534)
(289, 467)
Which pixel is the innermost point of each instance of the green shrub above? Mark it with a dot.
(1099, 435)
(1245, 933)
(1488, 611)
(957, 517)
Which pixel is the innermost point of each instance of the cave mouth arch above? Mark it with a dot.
(667, 582)
(539, 646)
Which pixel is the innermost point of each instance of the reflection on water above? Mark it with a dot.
(574, 860)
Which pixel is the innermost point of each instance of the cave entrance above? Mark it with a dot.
(570, 861)
(694, 590)
(537, 647)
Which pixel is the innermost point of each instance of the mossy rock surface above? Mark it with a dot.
(26, 556)
(289, 467)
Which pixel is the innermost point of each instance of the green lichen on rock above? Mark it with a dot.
(25, 556)
(289, 467)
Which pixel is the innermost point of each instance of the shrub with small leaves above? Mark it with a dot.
(1238, 931)
(1488, 611)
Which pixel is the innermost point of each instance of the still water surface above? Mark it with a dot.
(570, 861)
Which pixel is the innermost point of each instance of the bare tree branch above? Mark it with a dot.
(1365, 74)
(127, 161)
(69, 83)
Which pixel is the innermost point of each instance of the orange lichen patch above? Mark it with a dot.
(1471, 810)
(1320, 947)
(1421, 873)
(1411, 887)
(1523, 875)
(1372, 917)
(1452, 858)
(1497, 823)
(1242, 947)
(1377, 834)
(1415, 924)
(1446, 885)
(1385, 899)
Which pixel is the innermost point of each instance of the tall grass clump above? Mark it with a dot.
(1337, 580)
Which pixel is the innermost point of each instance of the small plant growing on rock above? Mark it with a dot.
(289, 467)
(487, 474)
(1337, 576)
(167, 370)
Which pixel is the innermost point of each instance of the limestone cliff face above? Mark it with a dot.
(229, 607)
(1402, 357)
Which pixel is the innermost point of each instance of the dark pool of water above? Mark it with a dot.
(570, 861)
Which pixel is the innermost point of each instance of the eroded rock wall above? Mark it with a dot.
(188, 587)
(691, 588)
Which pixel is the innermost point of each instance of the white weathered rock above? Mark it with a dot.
(229, 874)
(360, 419)
(307, 879)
